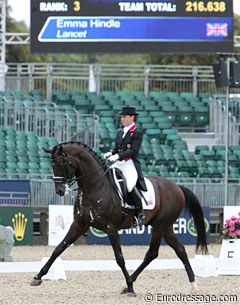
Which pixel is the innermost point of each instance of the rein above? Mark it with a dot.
(89, 174)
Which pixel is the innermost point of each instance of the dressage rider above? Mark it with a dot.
(127, 144)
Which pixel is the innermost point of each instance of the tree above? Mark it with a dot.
(21, 53)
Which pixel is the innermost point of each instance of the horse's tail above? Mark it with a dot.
(195, 210)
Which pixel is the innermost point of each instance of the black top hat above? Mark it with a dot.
(128, 111)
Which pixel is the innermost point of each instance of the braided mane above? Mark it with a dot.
(85, 146)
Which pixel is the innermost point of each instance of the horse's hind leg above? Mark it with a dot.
(174, 243)
(74, 232)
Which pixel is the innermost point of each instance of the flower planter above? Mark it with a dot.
(229, 260)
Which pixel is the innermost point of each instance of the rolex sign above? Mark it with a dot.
(21, 220)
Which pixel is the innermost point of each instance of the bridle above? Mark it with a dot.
(69, 177)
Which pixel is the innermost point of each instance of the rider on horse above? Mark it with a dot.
(127, 144)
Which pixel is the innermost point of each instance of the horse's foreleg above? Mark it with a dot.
(73, 234)
(151, 254)
(115, 242)
(174, 243)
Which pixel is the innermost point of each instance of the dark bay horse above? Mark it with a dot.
(98, 204)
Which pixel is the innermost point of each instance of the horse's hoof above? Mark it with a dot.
(131, 294)
(124, 291)
(128, 293)
(195, 289)
(36, 282)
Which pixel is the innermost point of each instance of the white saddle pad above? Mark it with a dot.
(148, 203)
(149, 195)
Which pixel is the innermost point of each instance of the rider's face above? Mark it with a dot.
(127, 120)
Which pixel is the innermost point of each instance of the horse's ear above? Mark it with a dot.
(47, 150)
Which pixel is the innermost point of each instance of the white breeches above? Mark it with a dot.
(129, 171)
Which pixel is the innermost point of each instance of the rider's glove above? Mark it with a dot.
(113, 158)
(107, 155)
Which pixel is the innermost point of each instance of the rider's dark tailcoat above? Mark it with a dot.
(128, 147)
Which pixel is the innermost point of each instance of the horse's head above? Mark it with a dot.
(62, 169)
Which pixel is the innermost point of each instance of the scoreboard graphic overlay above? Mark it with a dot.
(173, 26)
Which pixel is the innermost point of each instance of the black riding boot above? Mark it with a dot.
(136, 197)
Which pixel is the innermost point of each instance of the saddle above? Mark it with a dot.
(148, 197)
